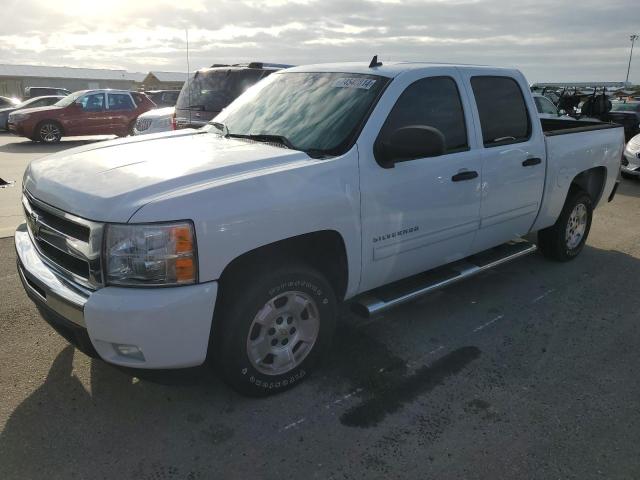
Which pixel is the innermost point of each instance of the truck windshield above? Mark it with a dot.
(212, 90)
(319, 113)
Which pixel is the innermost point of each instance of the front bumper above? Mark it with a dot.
(170, 326)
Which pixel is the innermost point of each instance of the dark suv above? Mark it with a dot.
(163, 98)
(33, 92)
(210, 90)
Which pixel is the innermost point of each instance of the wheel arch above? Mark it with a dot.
(324, 250)
(49, 120)
(591, 181)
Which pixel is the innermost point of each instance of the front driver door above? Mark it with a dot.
(425, 212)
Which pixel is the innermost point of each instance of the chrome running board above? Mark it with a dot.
(397, 293)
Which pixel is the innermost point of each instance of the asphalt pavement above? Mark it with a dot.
(528, 371)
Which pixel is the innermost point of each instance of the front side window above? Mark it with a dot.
(93, 102)
(320, 113)
(120, 101)
(433, 102)
(503, 112)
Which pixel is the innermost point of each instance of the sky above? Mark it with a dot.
(549, 40)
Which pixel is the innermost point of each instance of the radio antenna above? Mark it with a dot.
(186, 30)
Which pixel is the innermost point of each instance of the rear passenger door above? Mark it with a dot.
(121, 113)
(513, 156)
(421, 213)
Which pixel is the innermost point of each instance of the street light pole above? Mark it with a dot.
(633, 38)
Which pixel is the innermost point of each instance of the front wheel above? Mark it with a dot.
(274, 331)
(49, 132)
(566, 238)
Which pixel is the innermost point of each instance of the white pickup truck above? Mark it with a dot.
(372, 184)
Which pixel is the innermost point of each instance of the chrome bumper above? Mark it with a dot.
(43, 285)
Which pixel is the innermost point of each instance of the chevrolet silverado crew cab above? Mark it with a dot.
(366, 183)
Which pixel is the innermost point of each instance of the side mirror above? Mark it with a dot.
(77, 105)
(561, 112)
(409, 143)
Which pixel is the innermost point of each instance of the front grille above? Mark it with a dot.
(69, 244)
(143, 124)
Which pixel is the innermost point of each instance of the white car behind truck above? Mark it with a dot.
(319, 185)
(155, 121)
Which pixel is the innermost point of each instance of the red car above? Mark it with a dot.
(87, 112)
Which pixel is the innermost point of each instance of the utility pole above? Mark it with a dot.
(633, 38)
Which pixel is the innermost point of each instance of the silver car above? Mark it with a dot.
(155, 121)
(631, 160)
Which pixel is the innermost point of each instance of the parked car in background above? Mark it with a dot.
(87, 112)
(155, 121)
(32, 92)
(163, 98)
(210, 90)
(626, 114)
(322, 184)
(631, 159)
(31, 103)
(8, 101)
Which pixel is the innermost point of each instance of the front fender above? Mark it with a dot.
(232, 218)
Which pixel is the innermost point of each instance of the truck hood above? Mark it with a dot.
(109, 181)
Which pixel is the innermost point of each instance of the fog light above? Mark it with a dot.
(129, 351)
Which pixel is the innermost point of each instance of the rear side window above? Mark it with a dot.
(502, 109)
(434, 102)
(139, 97)
(120, 101)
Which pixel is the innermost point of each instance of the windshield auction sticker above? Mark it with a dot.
(363, 83)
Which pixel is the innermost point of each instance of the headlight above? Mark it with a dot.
(17, 117)
(150, 254)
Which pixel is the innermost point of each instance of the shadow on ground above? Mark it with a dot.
(27, 146)
(187, 419)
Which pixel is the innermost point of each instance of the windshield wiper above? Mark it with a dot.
(222, 127)
(264, 137)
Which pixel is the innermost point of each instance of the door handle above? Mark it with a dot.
(529, 162)
(466, 175)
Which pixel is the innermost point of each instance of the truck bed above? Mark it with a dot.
(553, 126)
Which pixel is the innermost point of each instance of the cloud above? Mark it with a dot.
(549, 40)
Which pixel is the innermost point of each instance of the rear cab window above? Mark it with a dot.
(545, 106)
(433, 102)
(504, 117)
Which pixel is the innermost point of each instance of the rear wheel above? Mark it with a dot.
(49, 132)
(566, 238)
(274, 331)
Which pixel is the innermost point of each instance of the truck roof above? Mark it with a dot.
(387, 69)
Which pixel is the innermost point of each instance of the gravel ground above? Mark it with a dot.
(527, 371)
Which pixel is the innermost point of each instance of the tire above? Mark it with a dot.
(128, 132)
(566, 238)
(49, 132)
(628, 176)
(259, 344)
